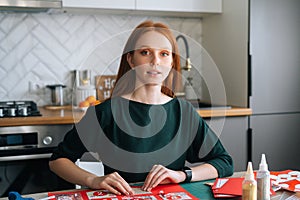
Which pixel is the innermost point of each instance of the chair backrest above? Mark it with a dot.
(91, 165)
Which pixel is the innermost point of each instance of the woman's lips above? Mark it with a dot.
(153, 72)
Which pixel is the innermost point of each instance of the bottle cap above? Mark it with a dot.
(263, 166)
(249, 174)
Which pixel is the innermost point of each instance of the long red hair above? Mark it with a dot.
(126, 85)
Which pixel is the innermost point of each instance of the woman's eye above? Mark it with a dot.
(165, 54)
(145, 52)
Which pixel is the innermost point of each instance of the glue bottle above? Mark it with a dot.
(249, 184)
(263, 180)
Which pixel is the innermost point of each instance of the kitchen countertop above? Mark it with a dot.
(69, 116)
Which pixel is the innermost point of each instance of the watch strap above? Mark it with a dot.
(188, 174)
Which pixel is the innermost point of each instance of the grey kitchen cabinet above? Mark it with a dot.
(278, 137)
(234, 138)
(261, 71)
(275, 85)
(274, 47)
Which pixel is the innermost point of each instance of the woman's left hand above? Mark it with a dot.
(162, 175)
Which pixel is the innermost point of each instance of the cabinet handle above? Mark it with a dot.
(249, 144)
(25, 157)
(249, 75)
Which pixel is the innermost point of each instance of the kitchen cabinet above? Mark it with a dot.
(274, 50)
(209, 6)
(154, 7)
(277, 136)
(255, 45)
(102, 4)
(24, 157)
(275, 87)
(234, 138)
(29, 176)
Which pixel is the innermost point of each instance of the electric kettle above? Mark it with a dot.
(57, 95)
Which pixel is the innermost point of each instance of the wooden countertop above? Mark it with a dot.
(49, 116)
(231, 112)
(69, 116)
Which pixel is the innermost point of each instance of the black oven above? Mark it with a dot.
(24, 156)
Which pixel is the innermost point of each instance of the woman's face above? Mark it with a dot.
(152, 58)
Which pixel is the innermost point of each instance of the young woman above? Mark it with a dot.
(143, 133)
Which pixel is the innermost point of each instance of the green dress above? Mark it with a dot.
(130, 137)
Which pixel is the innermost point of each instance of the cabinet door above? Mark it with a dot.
(104, 4)
(275, 50)
(209, 6)
(277, 136)
(233, 137)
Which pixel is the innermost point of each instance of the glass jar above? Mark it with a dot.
(82, 92)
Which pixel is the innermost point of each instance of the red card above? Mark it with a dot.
(287, 180)
(165, 192)
(232, 187)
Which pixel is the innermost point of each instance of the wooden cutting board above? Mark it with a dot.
(104, 86)
(64, 107)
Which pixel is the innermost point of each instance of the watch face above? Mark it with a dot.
(189, 172)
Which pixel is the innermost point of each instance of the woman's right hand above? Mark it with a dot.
(67, 170)
(112, 182)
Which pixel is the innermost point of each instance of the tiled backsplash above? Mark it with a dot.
(45, 48)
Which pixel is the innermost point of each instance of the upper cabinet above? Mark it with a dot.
(200, 6)
(101, 4)
(187, 8)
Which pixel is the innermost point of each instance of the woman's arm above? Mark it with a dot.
(67, 170)
(162, 175)
(204, 172)
(70, 172)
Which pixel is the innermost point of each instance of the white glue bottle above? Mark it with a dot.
(263, 180)
(249, 184)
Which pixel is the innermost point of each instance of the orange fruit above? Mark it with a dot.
(95, 103)
(91, 99)
(84, 104)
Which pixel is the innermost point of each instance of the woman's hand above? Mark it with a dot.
(162, 175)
(112, 182)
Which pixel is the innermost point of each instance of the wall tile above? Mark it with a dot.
(52, 27)
(2, 54)
(47, 47)
(9, 21)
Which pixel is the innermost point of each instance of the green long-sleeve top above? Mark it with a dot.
(130, 137)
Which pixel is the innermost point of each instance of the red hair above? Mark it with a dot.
(171, 84)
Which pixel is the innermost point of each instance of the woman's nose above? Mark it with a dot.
(155, 59)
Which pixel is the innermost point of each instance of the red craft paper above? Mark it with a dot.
(233, 187)
(288, 184)
(165, 192)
